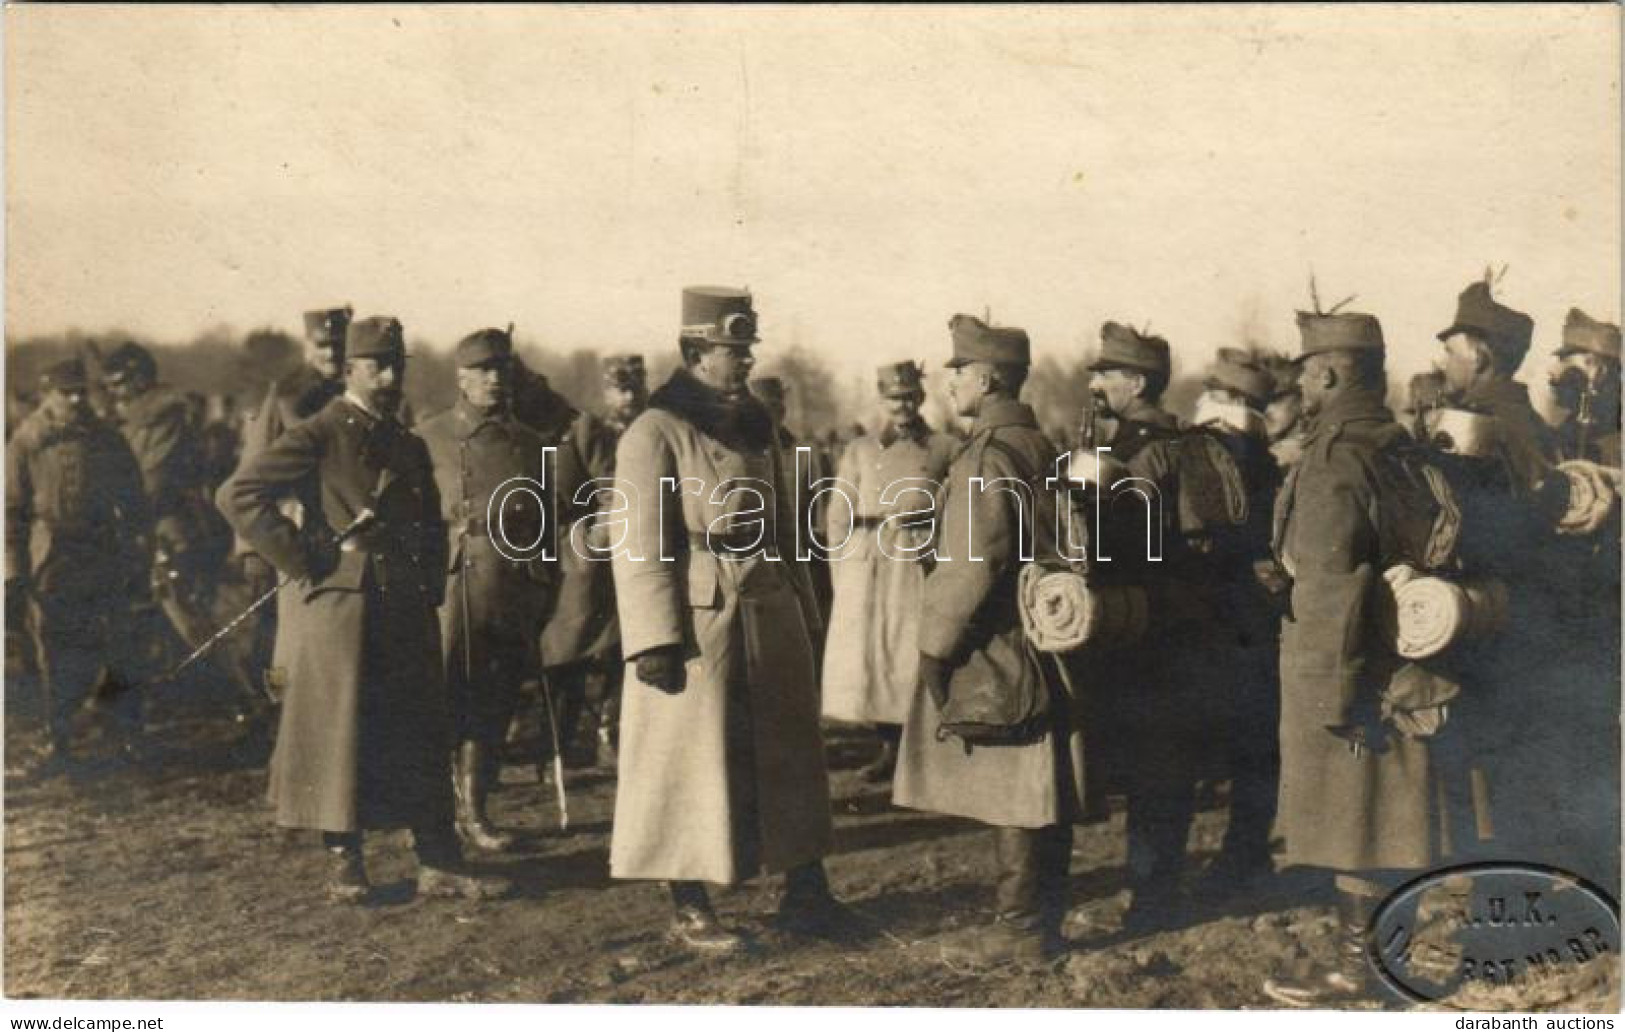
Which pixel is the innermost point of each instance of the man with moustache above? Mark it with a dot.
(1151, 724)
(364, 735)
(1022, 779)
(721, 761)
(1376, 781)
(496, 497)
(77, 553)
(877, 535)
(1513, 499)
(581, 645)
(1586, 387)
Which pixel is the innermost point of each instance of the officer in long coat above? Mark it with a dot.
(970, 638)
(582, 643)
(876, 533)
(1359, 796)
(364, 736)
(496, 495)
(77, 551)
(721, 762)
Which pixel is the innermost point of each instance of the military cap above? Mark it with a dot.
(719, 315)
(1123, 347)
(127, 359)
(66, 375)
(1338, 331)
(1583, 334)
(899, 379)
(328, 325)
(976, 341)
(1234, 371)
(1506, 330)
(484, 346)
(378, 336)
(769, 388)
(624, 371)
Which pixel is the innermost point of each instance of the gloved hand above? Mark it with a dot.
(321, 559)
(662, 668)
(1362, 728)
(933, 679)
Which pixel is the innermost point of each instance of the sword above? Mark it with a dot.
(558, 758)
(363, 519)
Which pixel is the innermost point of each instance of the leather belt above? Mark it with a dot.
(732, 545)
(871, 522)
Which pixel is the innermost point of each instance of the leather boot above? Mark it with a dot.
(1349, 982)
(346, 872)
(809, 908)
(1017, 934)
(694, 924)
(472, 784)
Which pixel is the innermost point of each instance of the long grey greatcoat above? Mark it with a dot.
(871, 657)
(364, 737)
(1335, 533)
(970, 617)
(494, 605)
(727, 775)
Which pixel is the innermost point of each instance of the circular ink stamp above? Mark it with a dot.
(1497, 935)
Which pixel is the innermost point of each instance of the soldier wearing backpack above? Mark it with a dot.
(989, 734)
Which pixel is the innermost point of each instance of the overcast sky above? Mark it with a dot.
(866, 172)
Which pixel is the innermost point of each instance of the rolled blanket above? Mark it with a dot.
(1061, 612)
(1434, 614)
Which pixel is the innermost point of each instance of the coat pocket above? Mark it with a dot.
(349, 575)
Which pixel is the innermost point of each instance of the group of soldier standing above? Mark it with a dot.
(708, 596)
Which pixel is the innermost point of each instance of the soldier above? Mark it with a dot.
(77, 553)
(498, 595)
(1512, 499)
(288, 402)
(1585, 385)
(771, 391)
(190, 539)
(581, 645)
(871, 661)
(1283, 413)
(1152, 735)
(971, 644)
(721, 761)
(1240, 576)
(1359, 796)
(364, 736)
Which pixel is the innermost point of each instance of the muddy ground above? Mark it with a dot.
(163, 878)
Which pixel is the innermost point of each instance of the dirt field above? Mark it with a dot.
(165, 879)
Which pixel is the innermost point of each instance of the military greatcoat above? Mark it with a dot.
(969, 619)
(364, 739)
(727, 776)
(495, 603)
(1411, 804)
(871, 658)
